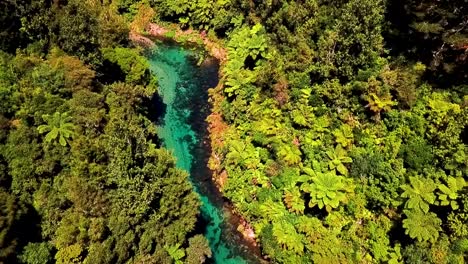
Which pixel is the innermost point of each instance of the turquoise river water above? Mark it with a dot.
(182, 128)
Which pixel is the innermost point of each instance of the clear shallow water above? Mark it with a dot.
(183, 87)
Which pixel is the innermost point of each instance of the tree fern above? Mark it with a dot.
(289, 154)
(338, 158)
(420, 193)
(176, 253)
(326, 191)
(448, 194)
(58, 126)
(298, 117)
(422, 226)
(272, 210)
(303, 115)
(379, 104)
(309, 225)
(287, 236)
(344, 135)
(293, 200)
(243, 154)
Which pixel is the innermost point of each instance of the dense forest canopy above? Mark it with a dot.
(345, 131)
(82, 177)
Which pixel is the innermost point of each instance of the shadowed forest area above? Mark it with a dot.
(343, 126)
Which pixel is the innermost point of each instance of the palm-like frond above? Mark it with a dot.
(420, 193)
(176, 253)
(448, 194)
(58, 126)
(326, 191)
(378, 104)
(422, 226)
(272, 210)
(286, 235)
(338, 158)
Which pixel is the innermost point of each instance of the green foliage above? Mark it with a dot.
(302, 116)
(420, 194)
(303, 103)
(327, 191)
(379, 104)
(245, 156)
(294, 200)
(70, 254)
(344, 135)
(448, 194)
(176, 253)
(131, 62)
(12, 213)
(422, 226)
(201, 14)
(379, 241)
(461, 246)
(101, 24)
(286, 235)
(417, 153)
(36, 253)
(381, 179)
(457, 220)
(245, 42)
(59, 127)
(314, 111)
(290, 155)
(416, 253)
(273, 210)
(337, 160)
(143, 17)
(78, 31)
(110, 196)
(198, 250)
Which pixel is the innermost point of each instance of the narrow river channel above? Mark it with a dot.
(182, 128)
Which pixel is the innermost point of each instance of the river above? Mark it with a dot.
(182, 128)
